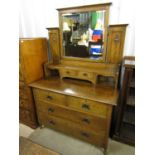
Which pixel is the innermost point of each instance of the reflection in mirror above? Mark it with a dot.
(83, 34)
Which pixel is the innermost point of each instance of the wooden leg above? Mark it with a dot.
(105, 152)
(94, 80)
(116, 81)
(42, 126)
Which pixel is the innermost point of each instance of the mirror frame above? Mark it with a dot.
(86, 8)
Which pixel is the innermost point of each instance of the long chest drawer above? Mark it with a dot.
(76, 103)
(71, 128)
(98, 124)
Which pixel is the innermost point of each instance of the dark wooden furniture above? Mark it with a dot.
(27, 147)
(124, 114)
(32, 56)
(75, 108)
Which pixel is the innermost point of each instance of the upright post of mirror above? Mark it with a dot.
(54, 41)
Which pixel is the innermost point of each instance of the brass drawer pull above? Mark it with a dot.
(85, 134)
(85, 106)
(85, 74)
(86, 120)
(50, 110)
(52, 122)
(49, 97)
(67, 72)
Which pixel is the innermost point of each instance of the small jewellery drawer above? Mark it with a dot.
(71, 128)
(24, 103)
(85, 75)
(68, 73)
(95, 123)
(88, 106)
(48, 96)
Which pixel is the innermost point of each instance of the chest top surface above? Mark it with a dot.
(81, 89)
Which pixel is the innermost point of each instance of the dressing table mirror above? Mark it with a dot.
(86, 46)
(83, 33)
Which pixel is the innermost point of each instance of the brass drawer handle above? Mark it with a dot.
(85, 134)
(86, 120)
(85, 106)
(50, 110)
(49, 97)
(52, 122)
(85, 74)
(68, 72)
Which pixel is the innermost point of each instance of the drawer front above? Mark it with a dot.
(24, 103)
(71, 128)
(50, 97)
(85, 75)
(68, 73)
(88, 106)
(89, 121)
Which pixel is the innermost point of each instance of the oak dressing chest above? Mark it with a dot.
(79, 90)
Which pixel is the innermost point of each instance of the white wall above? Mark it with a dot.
(36, 15)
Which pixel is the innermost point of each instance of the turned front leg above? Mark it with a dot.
(42, 126)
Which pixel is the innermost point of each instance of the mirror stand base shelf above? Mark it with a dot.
(85, 73)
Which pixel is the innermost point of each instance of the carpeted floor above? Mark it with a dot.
(70, 146)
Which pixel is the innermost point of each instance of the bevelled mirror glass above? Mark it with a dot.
(83, 32)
